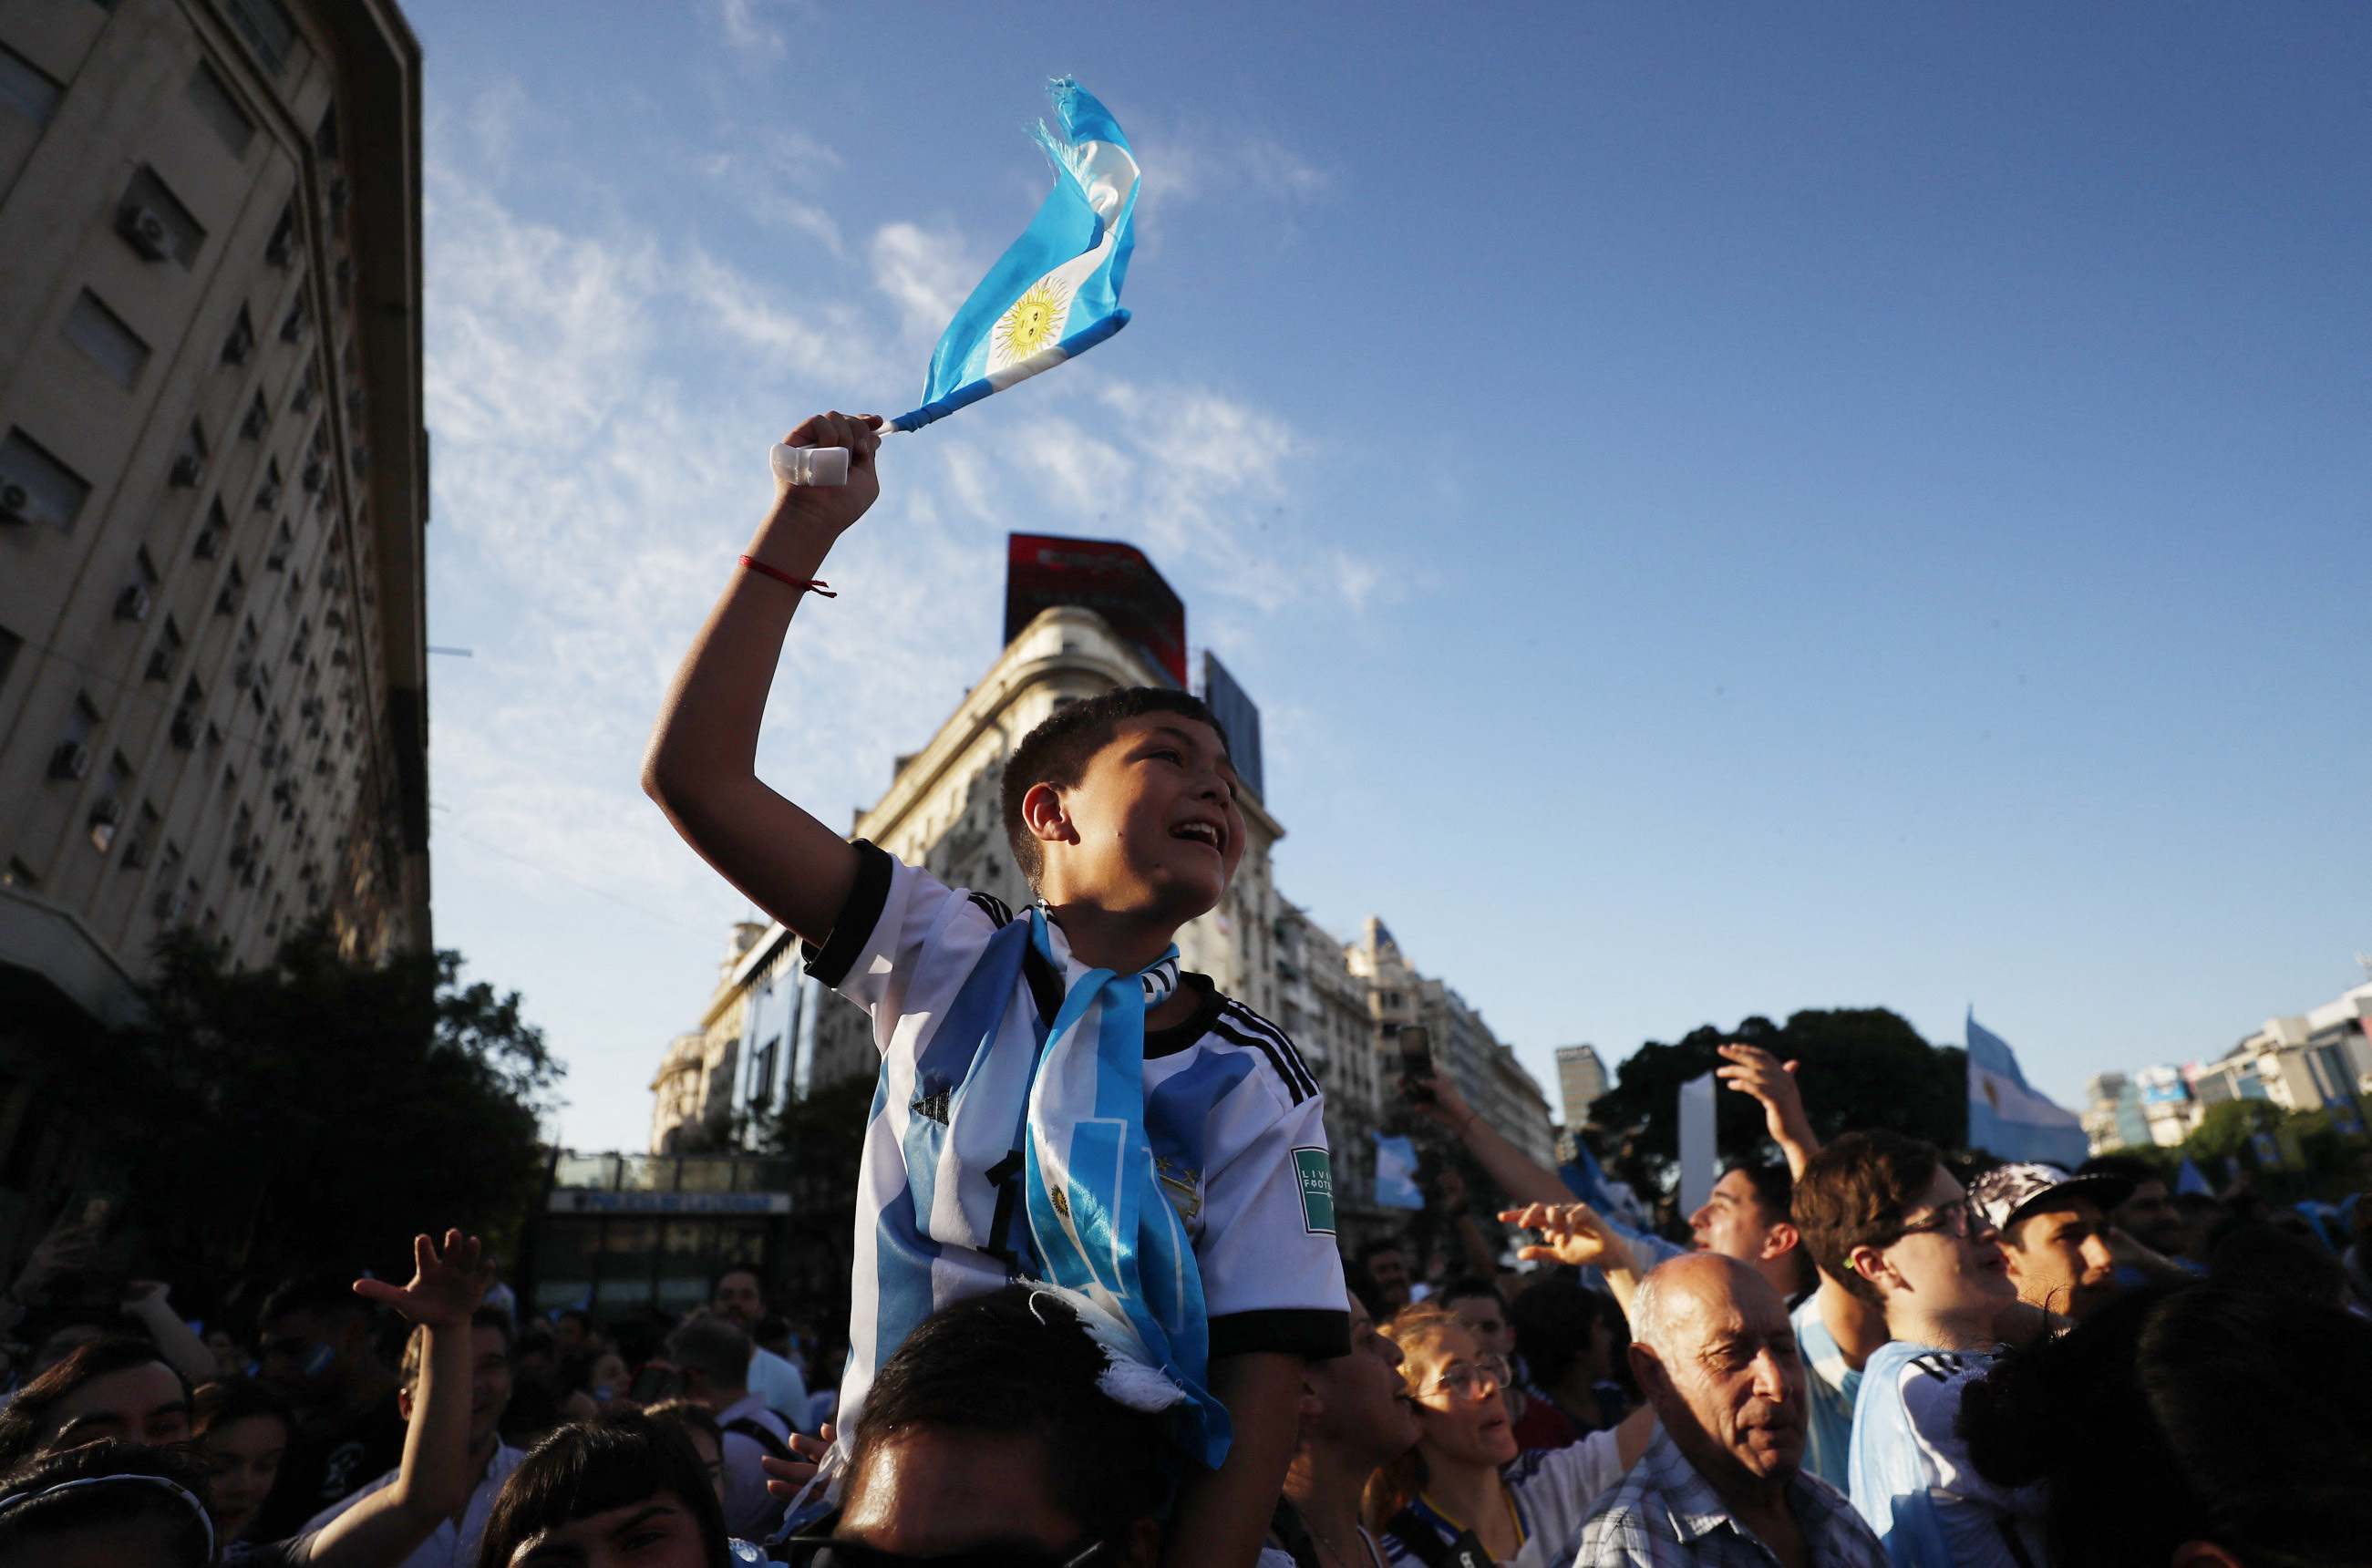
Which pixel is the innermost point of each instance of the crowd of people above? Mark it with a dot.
(1100, 1317)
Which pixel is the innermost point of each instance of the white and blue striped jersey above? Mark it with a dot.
(1832, 1388)
(1912, 1479)
(1233, 1115)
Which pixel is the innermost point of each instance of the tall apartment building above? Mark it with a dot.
(213, 490)
(1581, 1079)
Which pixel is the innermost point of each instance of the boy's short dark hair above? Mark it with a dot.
(236, 1399)
(1056, 753)
(1369, 1249)
(592, 1466)
(415, 1345)
(1855, 1194)
(1774, 1189)
(1017, 1362)
(1470, 1288)
(328, 1296)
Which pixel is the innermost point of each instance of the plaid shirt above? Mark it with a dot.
(1665, 1515)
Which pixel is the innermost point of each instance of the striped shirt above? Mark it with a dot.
(1666, 1516)
(1834, 1386)
(1232, 1113)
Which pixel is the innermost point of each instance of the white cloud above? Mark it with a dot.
(928, 272)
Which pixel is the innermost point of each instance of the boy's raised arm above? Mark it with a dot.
(701, 766)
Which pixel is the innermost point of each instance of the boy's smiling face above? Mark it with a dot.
(1151, 829)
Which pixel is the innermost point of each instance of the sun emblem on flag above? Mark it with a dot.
(1034, 321)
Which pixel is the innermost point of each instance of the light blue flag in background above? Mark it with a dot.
(1396, 1185)
(1056, 292)
(2009, 1119)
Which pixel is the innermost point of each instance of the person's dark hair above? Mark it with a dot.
(1856, 1193)
(1468, 1287)
(2125, 1168)
(1361, 1284)
(36, 1529)
(235, 1399)
(1369, 1249)
(2261, 1257)
(21, 1423)
(1774, 1189)
(328, 1296)
(415, 1345)
(1552, 1318)
(591, 1467)
(2189, 1412)
(716, 1346)
(580, 1315)
(1018, 1362)
(535, 1341)
(689, 1413)
(756, 1273)
(1057, 751)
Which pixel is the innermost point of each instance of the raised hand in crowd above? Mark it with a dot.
(1573, 1234)
(145, 1303)
(1751, 1070)
(434, 1482)
(1522, 1177)
(66, 1247)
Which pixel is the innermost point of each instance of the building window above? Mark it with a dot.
(268, 28)
(190, 458)
(258, 420)
(282, 543)
(27, 88)
(241, 342)
(101, 335)
(167, 654)
(107, 811)
(325, 135)
(267, 494)
(153, 221)
(211, 537)
(71, 758)
(138, 594)
(184, 731)
(234, 590)
(220, 111)
(144, 836)
(36, 487)
(19, 875)
(11, 646)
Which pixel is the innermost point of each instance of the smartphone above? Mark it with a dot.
(1416, 1060)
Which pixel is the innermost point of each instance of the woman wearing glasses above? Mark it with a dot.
(1463, 1496)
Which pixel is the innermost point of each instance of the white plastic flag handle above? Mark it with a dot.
(811, 465)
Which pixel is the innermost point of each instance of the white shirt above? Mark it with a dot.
(777, 1383)
(450, 1546)
(750, 1508)
(1554, 1490)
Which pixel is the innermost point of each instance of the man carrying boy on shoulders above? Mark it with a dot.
(1057, 1101)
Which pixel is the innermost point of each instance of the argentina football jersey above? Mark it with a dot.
(1232, 1115)
(1912, 1479)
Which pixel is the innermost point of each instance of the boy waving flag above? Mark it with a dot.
(1056, 1100)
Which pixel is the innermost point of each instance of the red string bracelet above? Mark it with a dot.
(805, 584)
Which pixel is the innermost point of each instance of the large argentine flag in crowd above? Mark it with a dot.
(2010, 1120)
(1056, 292)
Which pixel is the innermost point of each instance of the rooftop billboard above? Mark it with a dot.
(1114, 580)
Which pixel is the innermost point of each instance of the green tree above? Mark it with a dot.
(1861, 1067)
(315, 1114)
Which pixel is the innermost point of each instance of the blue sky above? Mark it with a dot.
(1724, 510)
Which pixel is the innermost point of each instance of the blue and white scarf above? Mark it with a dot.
(1099, 1220)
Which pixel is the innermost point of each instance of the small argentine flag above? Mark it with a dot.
(2009, 1119)
(1056, 292)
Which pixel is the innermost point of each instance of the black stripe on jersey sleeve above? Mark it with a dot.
(997, 909)
(1258, 1024)
(1311, 1334)
(1227, 1031)
(858, 916)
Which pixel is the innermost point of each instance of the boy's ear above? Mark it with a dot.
(1871, 1265)
(1042, 811)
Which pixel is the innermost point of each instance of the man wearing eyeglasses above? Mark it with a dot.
(1883, 1216)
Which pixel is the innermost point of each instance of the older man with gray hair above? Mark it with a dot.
(1723, 1484)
